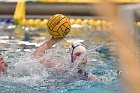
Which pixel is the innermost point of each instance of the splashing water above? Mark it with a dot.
(29, 72)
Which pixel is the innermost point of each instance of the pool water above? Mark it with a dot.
(26, 75)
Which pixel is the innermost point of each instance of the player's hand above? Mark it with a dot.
(57, 39)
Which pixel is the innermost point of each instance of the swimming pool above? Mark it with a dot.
(16, 44)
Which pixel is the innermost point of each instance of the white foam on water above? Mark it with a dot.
(28, 70)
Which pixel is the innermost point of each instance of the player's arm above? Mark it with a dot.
(92, 76)
(39, 52)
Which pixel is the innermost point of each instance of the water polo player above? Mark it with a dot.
(76, 51)
(3, 65)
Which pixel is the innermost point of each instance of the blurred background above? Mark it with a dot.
(35, 13)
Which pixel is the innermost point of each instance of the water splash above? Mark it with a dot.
(29, 71)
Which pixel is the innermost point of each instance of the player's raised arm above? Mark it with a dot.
(58, 26)
(39, 52)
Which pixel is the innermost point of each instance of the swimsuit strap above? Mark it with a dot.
(85, 76)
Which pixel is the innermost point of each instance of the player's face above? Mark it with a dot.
(3, 65)
(84, 59)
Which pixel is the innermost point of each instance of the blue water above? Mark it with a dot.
(31, 76)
